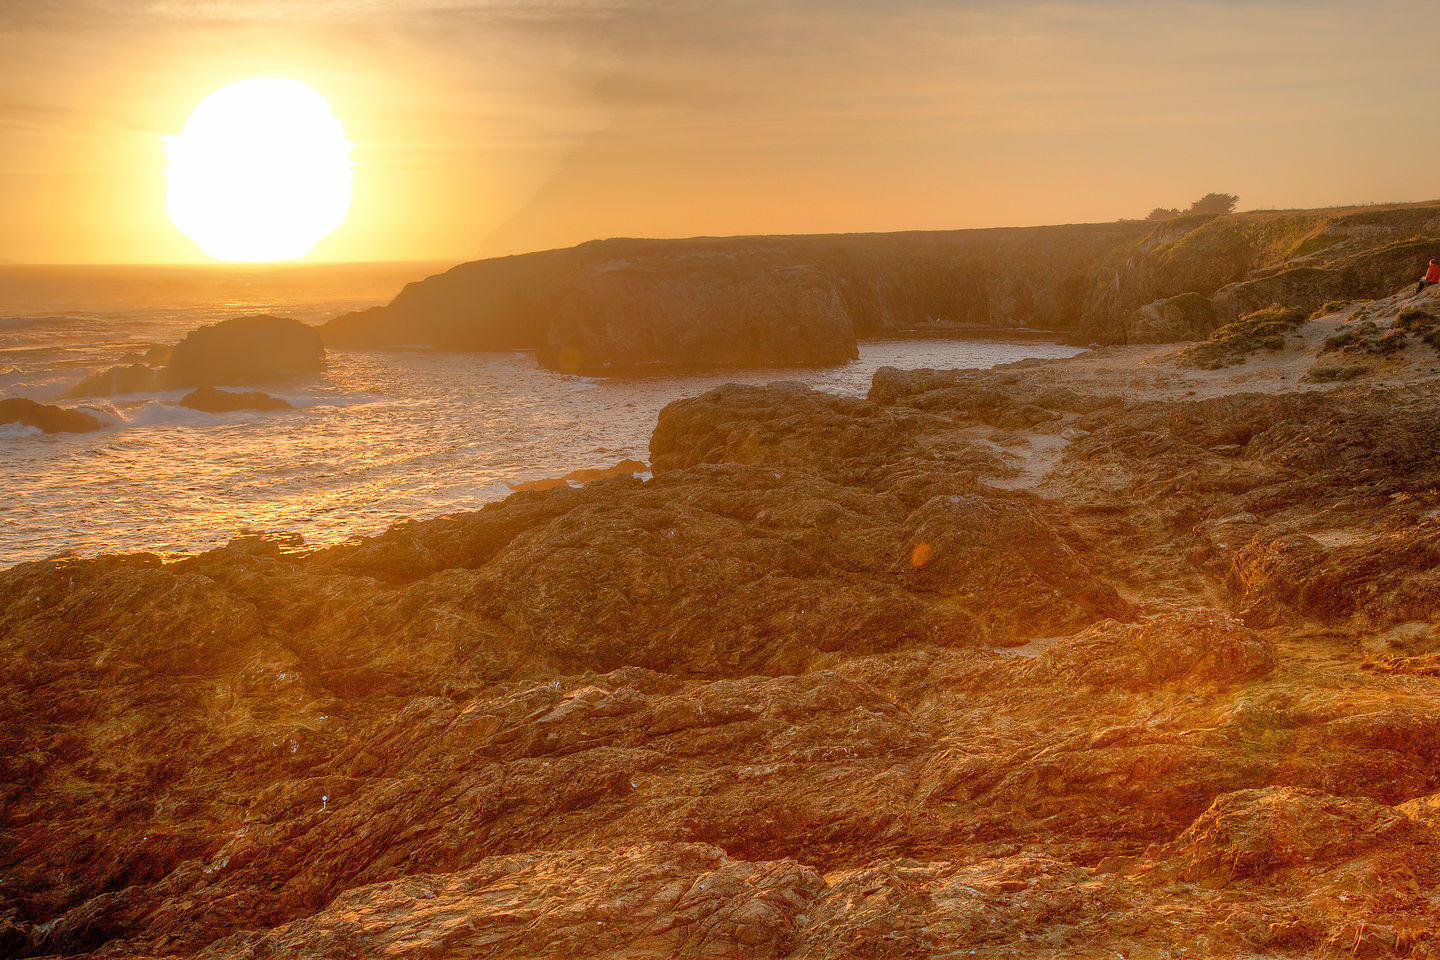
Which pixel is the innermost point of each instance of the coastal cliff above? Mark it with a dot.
(616, 305)
(1134, 653)
(1193, 274)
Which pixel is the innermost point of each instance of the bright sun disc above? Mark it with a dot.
(261, 172)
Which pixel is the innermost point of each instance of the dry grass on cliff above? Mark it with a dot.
(1420, 323)
(1231, 344)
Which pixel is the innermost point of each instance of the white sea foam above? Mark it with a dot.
(169, 413)
(18, 431)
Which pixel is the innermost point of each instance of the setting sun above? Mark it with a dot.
(261, 172)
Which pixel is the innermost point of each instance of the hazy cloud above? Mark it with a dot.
(598, 116)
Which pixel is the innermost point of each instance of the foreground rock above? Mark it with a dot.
(213, 400)
(45, 417)
(1018, 662)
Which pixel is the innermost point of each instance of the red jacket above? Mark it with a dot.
(1433, 274)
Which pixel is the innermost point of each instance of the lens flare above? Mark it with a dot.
(261, 172)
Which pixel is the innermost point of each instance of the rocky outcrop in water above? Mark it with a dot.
(241, 350)
(1027, 661)
(624, 306)
(45, 417)
(213, 400)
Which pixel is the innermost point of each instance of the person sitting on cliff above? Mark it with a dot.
(1432, 277)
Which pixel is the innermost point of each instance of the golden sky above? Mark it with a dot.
(485, 127)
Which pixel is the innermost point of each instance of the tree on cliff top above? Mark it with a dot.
(1211, 203)
(1215, 203)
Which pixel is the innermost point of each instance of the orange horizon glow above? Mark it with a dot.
(483, 128)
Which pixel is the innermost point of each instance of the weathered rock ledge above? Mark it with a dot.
(1118, 655)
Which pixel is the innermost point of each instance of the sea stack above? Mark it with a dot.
(243, 350)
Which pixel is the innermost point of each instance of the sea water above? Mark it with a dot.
(379, 435)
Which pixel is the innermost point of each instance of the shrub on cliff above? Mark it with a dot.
(1353, 334)
(1421, 323)
(1328, 307)
(1208, 205)
(1365, 337)
(1231, 344)
(1333, 374)
(1215, 203)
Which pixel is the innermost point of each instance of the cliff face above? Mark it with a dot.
(1245, 262)
(769, 300)
(717, 309)
(617, 304)
(945, 282)
(498, 304)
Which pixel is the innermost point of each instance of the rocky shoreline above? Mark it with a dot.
(1133, 653)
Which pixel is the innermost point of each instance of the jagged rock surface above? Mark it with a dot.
(1174, 698)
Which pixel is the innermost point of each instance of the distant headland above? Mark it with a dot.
(624, 304)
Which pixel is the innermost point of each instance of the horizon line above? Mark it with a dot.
(403, 261)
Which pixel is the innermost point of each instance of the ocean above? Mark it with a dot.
(378, 436)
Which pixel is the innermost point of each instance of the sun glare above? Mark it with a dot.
(261, 172)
